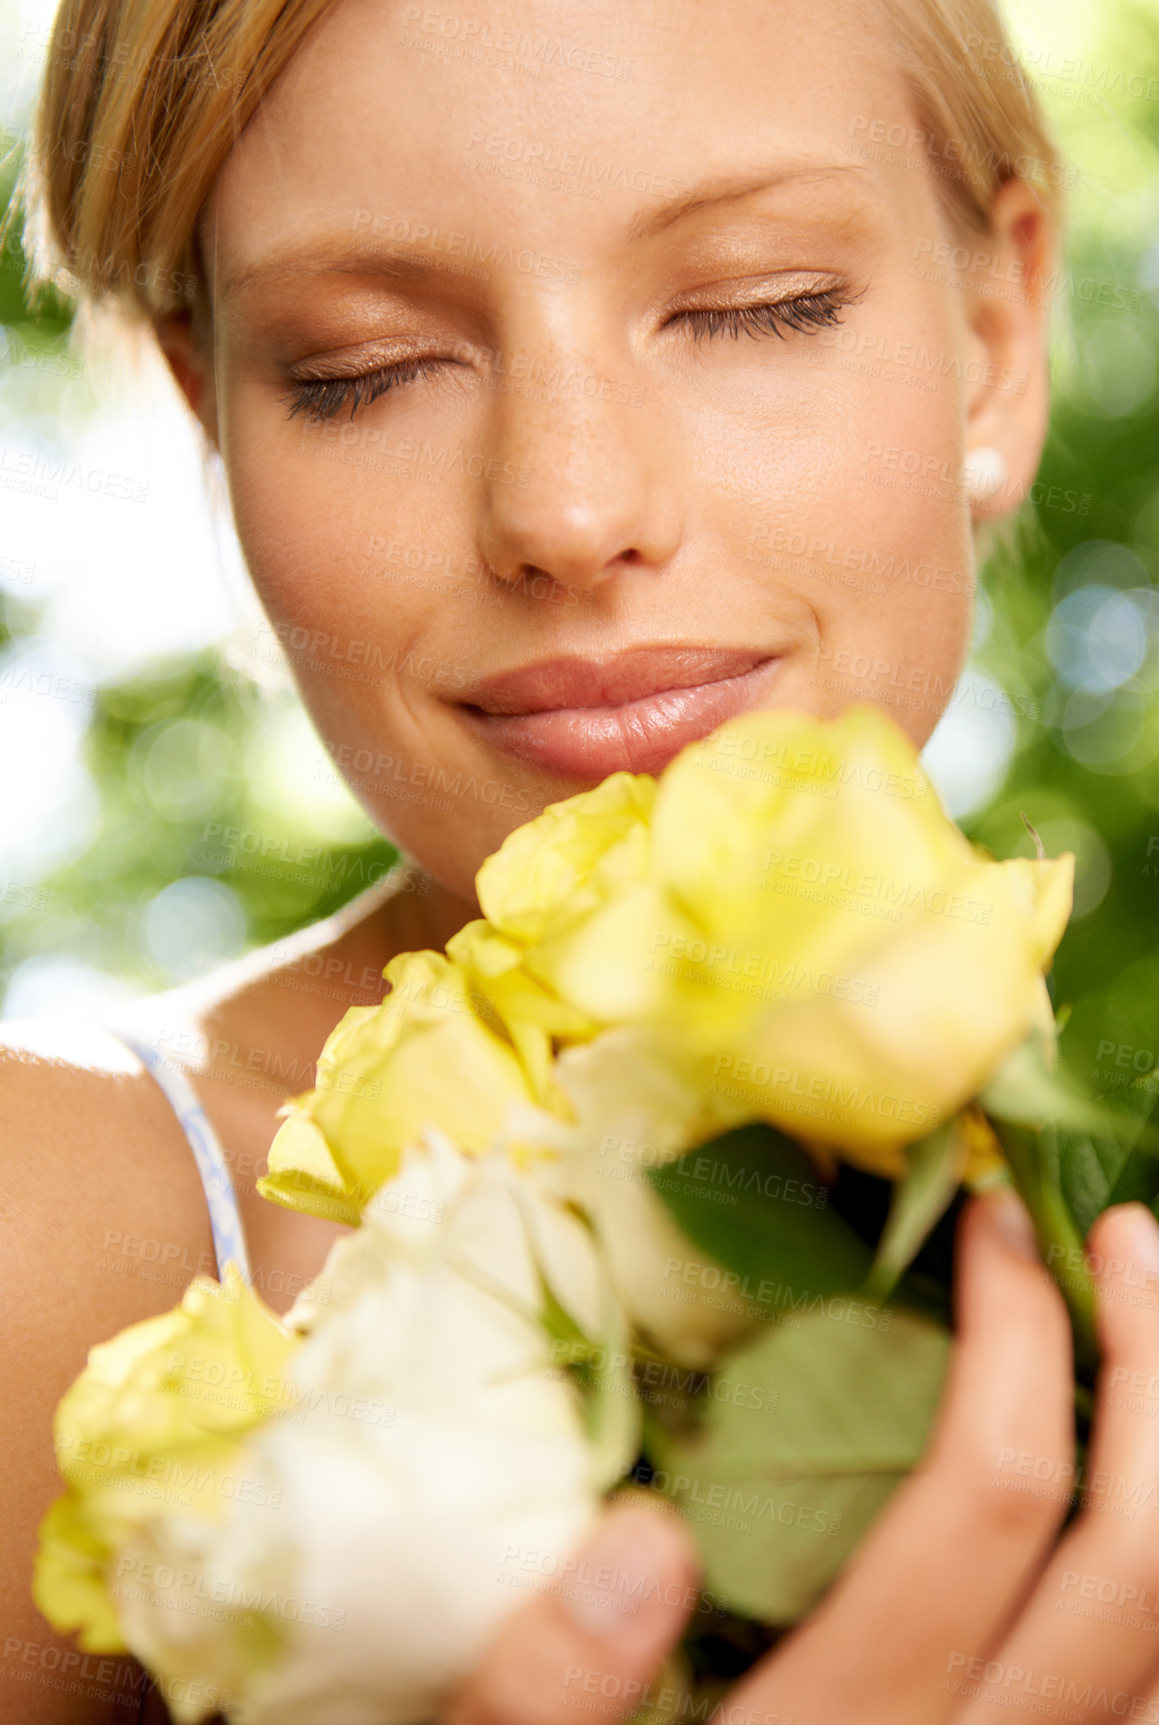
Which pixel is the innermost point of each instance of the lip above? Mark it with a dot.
(568, 681)
(583, 718)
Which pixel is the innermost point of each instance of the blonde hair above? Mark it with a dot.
(141, 103)
(143, 100)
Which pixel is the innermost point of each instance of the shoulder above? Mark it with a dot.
(88, 1141)
(102, 1224)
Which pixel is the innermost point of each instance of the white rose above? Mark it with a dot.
(634, 1111)
(431, 1469)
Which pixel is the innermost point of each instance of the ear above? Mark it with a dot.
(189, 356)
(1007, 305)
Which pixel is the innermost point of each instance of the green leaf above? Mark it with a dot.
(753, 1200)
(779, 1500)
(1089, 1167)
(1114, 1166)
(1138, 1180)
(1138, 1175)
(920, 1200)
(1027, 1091)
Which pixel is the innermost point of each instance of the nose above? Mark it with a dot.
(590, 484)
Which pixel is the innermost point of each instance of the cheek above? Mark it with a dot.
(353, 566)
(303, 503)
(305, 525)
(896, 627)
(841, 489)
(346, 543)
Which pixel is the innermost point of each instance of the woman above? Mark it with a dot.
(626, 319)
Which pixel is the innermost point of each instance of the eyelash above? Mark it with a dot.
(804, 314)
(326, 396)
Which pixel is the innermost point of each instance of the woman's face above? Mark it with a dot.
(663, 345)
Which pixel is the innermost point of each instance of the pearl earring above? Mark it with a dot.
(984, 472)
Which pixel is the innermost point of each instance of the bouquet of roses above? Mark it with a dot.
(652, 1176)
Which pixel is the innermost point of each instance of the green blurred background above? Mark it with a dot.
(164, 803)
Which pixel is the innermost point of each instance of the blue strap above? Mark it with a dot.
(220, 1196)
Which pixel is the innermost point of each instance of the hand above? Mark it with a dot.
(586, 1648)
(961, 1605)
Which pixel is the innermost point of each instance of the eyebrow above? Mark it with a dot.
(311, 258)
(731, 188)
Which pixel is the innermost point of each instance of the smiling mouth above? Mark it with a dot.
(569, 681)
(586, 736)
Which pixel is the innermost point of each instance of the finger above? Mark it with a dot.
(955, 1550)
(1083, 1640)
(598, 1640)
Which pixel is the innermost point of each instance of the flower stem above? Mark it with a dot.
(1033, 1160)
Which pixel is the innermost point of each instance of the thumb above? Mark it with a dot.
(602, 1631)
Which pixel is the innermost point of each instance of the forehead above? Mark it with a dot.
(542, 116)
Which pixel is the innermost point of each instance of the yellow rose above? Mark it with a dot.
(531, 1014)
(789, 909)
(824, 948)
(162, 1408)
(435, 1050)
(566, 862)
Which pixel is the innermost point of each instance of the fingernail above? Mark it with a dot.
(1011, 1219)
(621, 1577)
(1142, 1234)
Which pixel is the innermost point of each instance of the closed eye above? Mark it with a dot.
(804, 314)
(322, 398)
